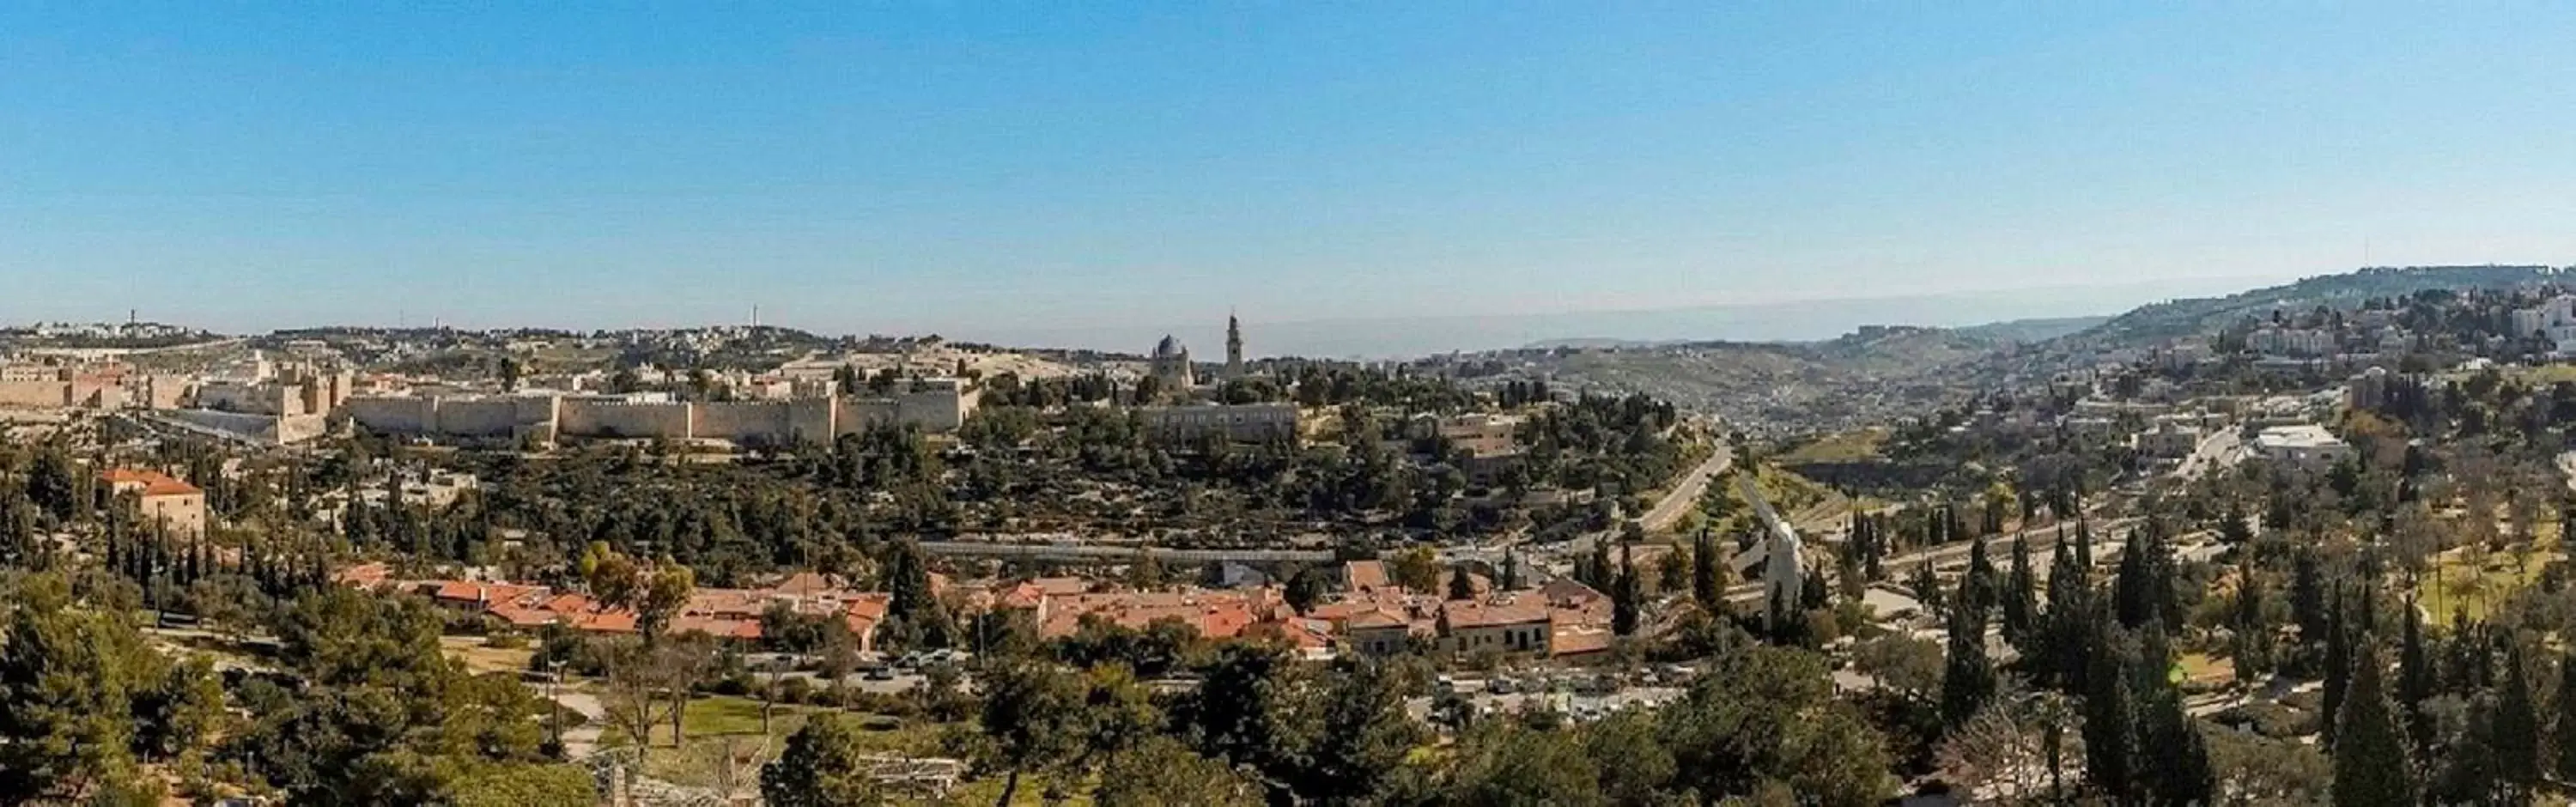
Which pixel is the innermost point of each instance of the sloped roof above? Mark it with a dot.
(152, 483)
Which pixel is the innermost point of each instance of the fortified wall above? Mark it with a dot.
(936, 406)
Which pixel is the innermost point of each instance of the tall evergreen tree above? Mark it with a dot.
(2084, 546)
(1977, 590)
(2176, 758)
(2414, 679)
(1624, 596)
(1511, 579)
(2370, 765)
(1968, 676)
(1704, 587)
(2565, 730)
(2070, 627)
(2110, 734)
(1461, 587)
(2339, 663)
(2021, 600)
(2516, 732)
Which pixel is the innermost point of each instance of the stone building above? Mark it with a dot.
(1171, 365)
(178, 506)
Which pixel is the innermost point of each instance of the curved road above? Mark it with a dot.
(1686, 492)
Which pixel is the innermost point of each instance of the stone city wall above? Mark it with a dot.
(47, 394)
(605, 419)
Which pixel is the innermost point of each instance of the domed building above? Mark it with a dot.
(1171, 365)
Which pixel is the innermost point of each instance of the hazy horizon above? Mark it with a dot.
(1105, 170)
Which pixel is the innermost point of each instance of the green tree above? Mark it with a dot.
(1160, 772)
(2516, 732)
(2565, 730)
(72, 682)
(1416, 569)
(2370, 764)
(1704, 579)
(1460, 586)
(1968, 675)
(2021, 601)
(1625, 596)
(1767, 716)
(1505, 763)
(1032, 718)
(522, 785)
(821, 766)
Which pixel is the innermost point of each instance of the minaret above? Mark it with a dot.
(1233, 346)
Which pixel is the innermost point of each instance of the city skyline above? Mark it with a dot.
(978, 170)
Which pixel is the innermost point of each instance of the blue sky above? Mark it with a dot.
(1009, 168)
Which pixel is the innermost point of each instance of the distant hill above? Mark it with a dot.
(1878, 372)
(2033, 330)
(2159, 322)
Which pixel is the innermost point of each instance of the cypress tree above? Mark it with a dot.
(2177, 770)
(2339, 663)
(2414, 679)
(2370, 766)
(2308, 598)
(2069, 629)
(1704, 588)
(2021, 600)
(1977, 591)
(1968, 676)
(2110, 757)
(1461, 587)
(2516, 744)
(2084, 546)
(1511, 570)
(2565, 730)
(1623, 599)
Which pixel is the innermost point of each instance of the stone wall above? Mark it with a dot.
(605, 419)
(480, 418)
(756, 423)
(48, 394)
(394, 414)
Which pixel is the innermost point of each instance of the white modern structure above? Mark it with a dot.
(1781, 572)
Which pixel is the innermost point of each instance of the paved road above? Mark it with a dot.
(1685, 494)
(1102, 552)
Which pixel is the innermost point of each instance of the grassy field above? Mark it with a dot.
(2463, 583)
(480, 659)
(725, 731)
(1850, 446)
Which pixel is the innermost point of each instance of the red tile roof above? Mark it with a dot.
(152, 483)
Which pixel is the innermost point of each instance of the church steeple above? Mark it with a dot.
(1233, 346)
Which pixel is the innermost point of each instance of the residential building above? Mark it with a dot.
(178, 506)
(1243, 423)
(2302, 444)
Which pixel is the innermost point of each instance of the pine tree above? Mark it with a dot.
(2069, 628)
(1968, 676)
(2370, 765)
(2021, 600)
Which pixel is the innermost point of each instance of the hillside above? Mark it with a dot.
(1881, 372)
(2159, 322)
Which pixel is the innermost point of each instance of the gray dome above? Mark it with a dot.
(1168, 348)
